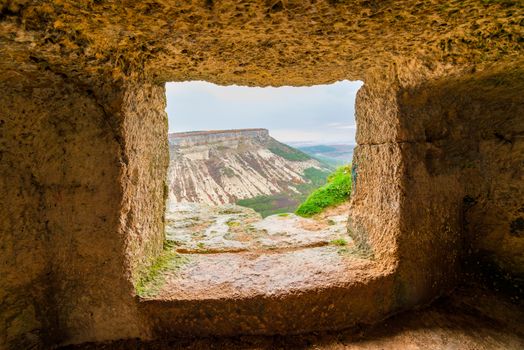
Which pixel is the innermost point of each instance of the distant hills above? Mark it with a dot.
(332, 154)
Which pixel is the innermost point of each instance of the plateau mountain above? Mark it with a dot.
(244, 166)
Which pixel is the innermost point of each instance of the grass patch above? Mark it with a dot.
(151, 279)
(341, 242)
(335, 191)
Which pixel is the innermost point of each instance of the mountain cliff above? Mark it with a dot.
(219, 167)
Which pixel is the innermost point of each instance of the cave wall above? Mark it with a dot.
(145, 148)
(72, 162)
(438, 180)
(400, 213)
(85, 169)
(470, 129)
(78, 219)
(23, 246)
(377, 168)
(437, 170)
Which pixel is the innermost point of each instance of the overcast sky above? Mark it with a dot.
(299, 115)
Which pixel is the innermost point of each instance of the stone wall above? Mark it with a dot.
(83, 204)
(24, 269)
(145, 148)
(69, 157)
(80, 223)
(438, 168)
(469, 130)
(399, 212)
(435, 176)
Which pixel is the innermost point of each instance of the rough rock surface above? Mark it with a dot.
(243, 275)
(195, 227)
(221, 167)
(229, 252)
(437, 171)
(255, 42)
(471, 319)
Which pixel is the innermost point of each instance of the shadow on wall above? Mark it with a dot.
(469, 135)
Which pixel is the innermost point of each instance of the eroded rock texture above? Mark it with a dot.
(222, 167)
(438, 169)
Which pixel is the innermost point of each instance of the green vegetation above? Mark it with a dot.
(228, 172)
(233, 223)
(316, 176)
(152, 278)
(335, 191)
(290, 154)
(287, 152)
(274, 204)
(341, 242)
(286, 202)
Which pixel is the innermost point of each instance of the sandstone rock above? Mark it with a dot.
(83, 153)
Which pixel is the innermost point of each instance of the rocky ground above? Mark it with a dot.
(231, 251)
(201, 228)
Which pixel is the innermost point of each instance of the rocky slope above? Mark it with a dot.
(220, 167)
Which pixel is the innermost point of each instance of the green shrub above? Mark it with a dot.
(335, 191)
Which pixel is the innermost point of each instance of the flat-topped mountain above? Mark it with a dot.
(224, 166)
(209, 136)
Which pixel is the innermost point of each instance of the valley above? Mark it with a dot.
(336, 155)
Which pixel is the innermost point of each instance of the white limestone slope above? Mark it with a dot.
(222, 167)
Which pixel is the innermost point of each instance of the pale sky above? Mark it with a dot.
(320, 114)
